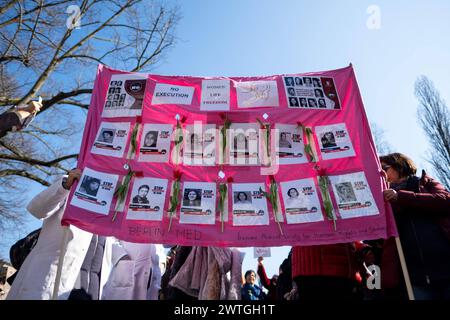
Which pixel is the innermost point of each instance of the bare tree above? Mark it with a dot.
(383, 147)
(51, 49)
(434, 117)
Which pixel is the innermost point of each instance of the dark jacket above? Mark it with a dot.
(422, 215)
(334, 260)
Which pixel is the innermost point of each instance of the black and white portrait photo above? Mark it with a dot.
(141, 197)
(328, 140)
(90, 186)
(312, 103)
(293, 102)
(106, 135)
(285, 140)
(192, 197)
(345, 192)
(150, 140)
(289, 81)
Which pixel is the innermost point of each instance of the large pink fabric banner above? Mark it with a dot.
(240, 161)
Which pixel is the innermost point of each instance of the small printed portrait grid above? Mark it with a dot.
(115, 97)
(309, 92)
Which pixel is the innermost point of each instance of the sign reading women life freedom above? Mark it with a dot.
(229, 161)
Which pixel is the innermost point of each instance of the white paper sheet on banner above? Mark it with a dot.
(198, 203)
(334, 141)
(147, 205)
(290, 144)
(95, 191)
(125, 96)
(215, 95)
(111, 139)
(200, 145)
(301, 201)
(172, 94)
(155, 143)
(244, 144)
(353, 195)
(251, 209)
(251, 94)
(261, 252)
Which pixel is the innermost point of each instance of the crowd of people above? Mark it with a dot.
(97, 267)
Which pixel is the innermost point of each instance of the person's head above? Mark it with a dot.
(291, 91)
(192, 195)
(143, 190)
(298, 81)
(328, 137)
(107, 135)
(307, 80)
(250, 277)
(94, 184)
(292, 193)
(318, 93)
(397, 167)
(283, 136)
(242, 196)
(150, 138)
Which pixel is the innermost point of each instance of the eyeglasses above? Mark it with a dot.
(385, 167)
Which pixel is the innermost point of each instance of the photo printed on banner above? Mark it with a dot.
(353, 195)
(311, 92)
(125, 96)
(199, 145)
(215, 95)
(198, 205)
(95, 191)
(252, 94)
(301, 202)
(334, 141)
(289, 144)
(172, 94)
(249, 204)
(111, 139)
(147, 199)
(243, 144)
(155, 142)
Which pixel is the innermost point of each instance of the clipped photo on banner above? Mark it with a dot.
(353, 195)
(95, 191)
(301, 201)
(215, 95)
(155, 142)
(334, 141)
(244, 144)
(290, 145)
(200, 145)
(252, 94)
(147, 199)
(311, 92)
(249, 204)
(125, 96)
(172, 94)
(111, 139)
(198, 205)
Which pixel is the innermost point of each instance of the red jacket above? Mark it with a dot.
(336, 260)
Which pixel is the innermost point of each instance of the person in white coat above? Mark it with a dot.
(135, 271)
(36, 277)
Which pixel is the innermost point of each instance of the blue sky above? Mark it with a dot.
(256, 38)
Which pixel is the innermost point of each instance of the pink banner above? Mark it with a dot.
(177, 124)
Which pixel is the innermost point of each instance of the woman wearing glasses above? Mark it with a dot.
(422, 213)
